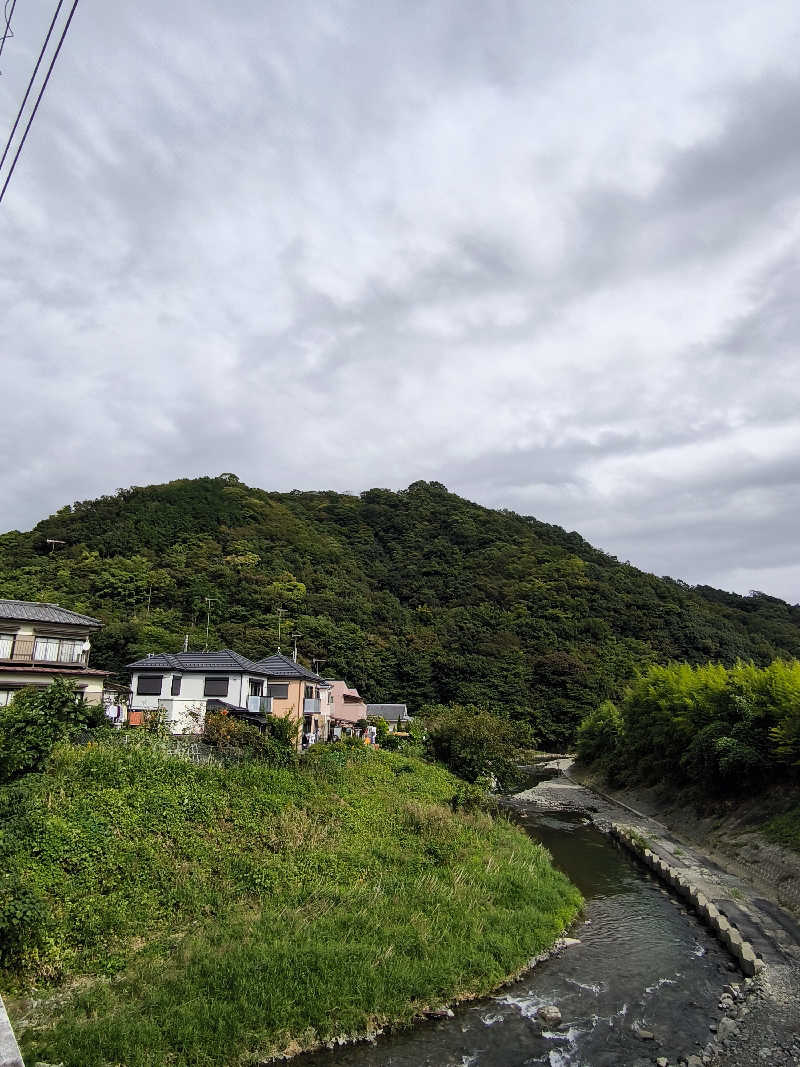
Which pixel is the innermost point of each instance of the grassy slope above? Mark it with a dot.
(205, 915)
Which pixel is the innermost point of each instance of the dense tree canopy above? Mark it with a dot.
(416, 596)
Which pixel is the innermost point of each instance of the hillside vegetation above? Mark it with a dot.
(720, 731)
(154, 911)
(417, 596)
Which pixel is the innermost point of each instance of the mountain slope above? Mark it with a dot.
(417, 595)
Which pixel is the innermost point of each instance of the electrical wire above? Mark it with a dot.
(30, 84)
(41, 92)
(7, 31)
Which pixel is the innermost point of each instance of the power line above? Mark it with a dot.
(7, 31)
(30, 84)
(41, 91)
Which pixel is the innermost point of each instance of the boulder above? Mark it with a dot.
(549, 1014)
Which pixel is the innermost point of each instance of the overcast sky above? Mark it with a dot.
(544, 252)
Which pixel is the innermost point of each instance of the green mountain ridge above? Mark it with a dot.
(417, 596)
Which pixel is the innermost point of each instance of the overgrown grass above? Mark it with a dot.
(208, 915)
(785, 829)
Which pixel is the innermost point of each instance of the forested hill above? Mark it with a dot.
(415, 596)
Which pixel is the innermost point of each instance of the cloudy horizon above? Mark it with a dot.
(546, 255)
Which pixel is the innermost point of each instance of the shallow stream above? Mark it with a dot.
(641, 963)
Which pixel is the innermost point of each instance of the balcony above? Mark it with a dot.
(46, 651)
(311, 706)
(260, 705)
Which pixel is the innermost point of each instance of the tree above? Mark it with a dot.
(38, 718)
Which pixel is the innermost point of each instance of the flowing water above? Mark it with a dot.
(641, 963)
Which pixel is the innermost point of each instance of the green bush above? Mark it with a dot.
(23, 921)
(473, 743)
(38, 718)
(227, 733)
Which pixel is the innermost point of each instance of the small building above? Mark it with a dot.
(348, 706)
(396, 715)
(40, 642)
(186, 684)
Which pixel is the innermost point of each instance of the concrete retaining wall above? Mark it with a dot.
(742, 951)
(9, 1050)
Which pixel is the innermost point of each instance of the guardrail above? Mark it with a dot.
(10, 1056)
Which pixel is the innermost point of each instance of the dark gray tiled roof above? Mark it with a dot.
(280, 666)
(225, 660)
(390, 712)
(31, 611)
(276, 666)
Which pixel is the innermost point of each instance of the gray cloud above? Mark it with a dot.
(549, 260)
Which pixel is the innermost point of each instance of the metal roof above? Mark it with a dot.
(32, 611)
(224, 660)
(389, 711)
(277, 666)
(280, 666)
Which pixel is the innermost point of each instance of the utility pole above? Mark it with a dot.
(209, 601)
(294, 638)
(280, 617)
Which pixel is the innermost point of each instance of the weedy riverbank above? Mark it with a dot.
(184, 914)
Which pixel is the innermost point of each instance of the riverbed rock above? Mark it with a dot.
(726, 1028)
(662, 1061)
(549, 1014)
(644, 1035)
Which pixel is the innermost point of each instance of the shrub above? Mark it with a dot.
(23, 920)
(473, 743)
(228, 733)
(38, 718)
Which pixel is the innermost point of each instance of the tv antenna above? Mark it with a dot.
(209, 601)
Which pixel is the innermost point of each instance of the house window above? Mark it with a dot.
(149, 685)
(256, 687)
(6, 644)
(280, 691)
(70, 651)
(310, 691)
(46, 649)
(215, 687)
(176, 685)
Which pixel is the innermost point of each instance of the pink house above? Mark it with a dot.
(348, 707)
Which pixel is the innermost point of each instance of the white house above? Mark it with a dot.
(183, 684)
(40, 642)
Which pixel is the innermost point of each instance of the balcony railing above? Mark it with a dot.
(66, 651)
(311, 706)
(260, 705)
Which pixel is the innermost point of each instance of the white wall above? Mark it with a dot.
(186, 712)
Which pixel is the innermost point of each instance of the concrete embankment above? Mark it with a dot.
(9, 1050)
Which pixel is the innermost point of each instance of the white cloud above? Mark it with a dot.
(550, 262)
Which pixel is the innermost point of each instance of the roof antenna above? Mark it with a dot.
(209, 601)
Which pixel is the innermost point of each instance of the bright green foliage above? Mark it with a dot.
(600, 733)
(36, 719)
(214, 914)
(417, 596)
(473, 743)
(719, 729)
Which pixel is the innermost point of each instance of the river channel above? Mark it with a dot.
(642, 963)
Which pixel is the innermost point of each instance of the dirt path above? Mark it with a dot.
(761, 1017)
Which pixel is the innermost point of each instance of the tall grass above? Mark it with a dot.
(211, 915)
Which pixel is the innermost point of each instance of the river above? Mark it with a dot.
(642, 964)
